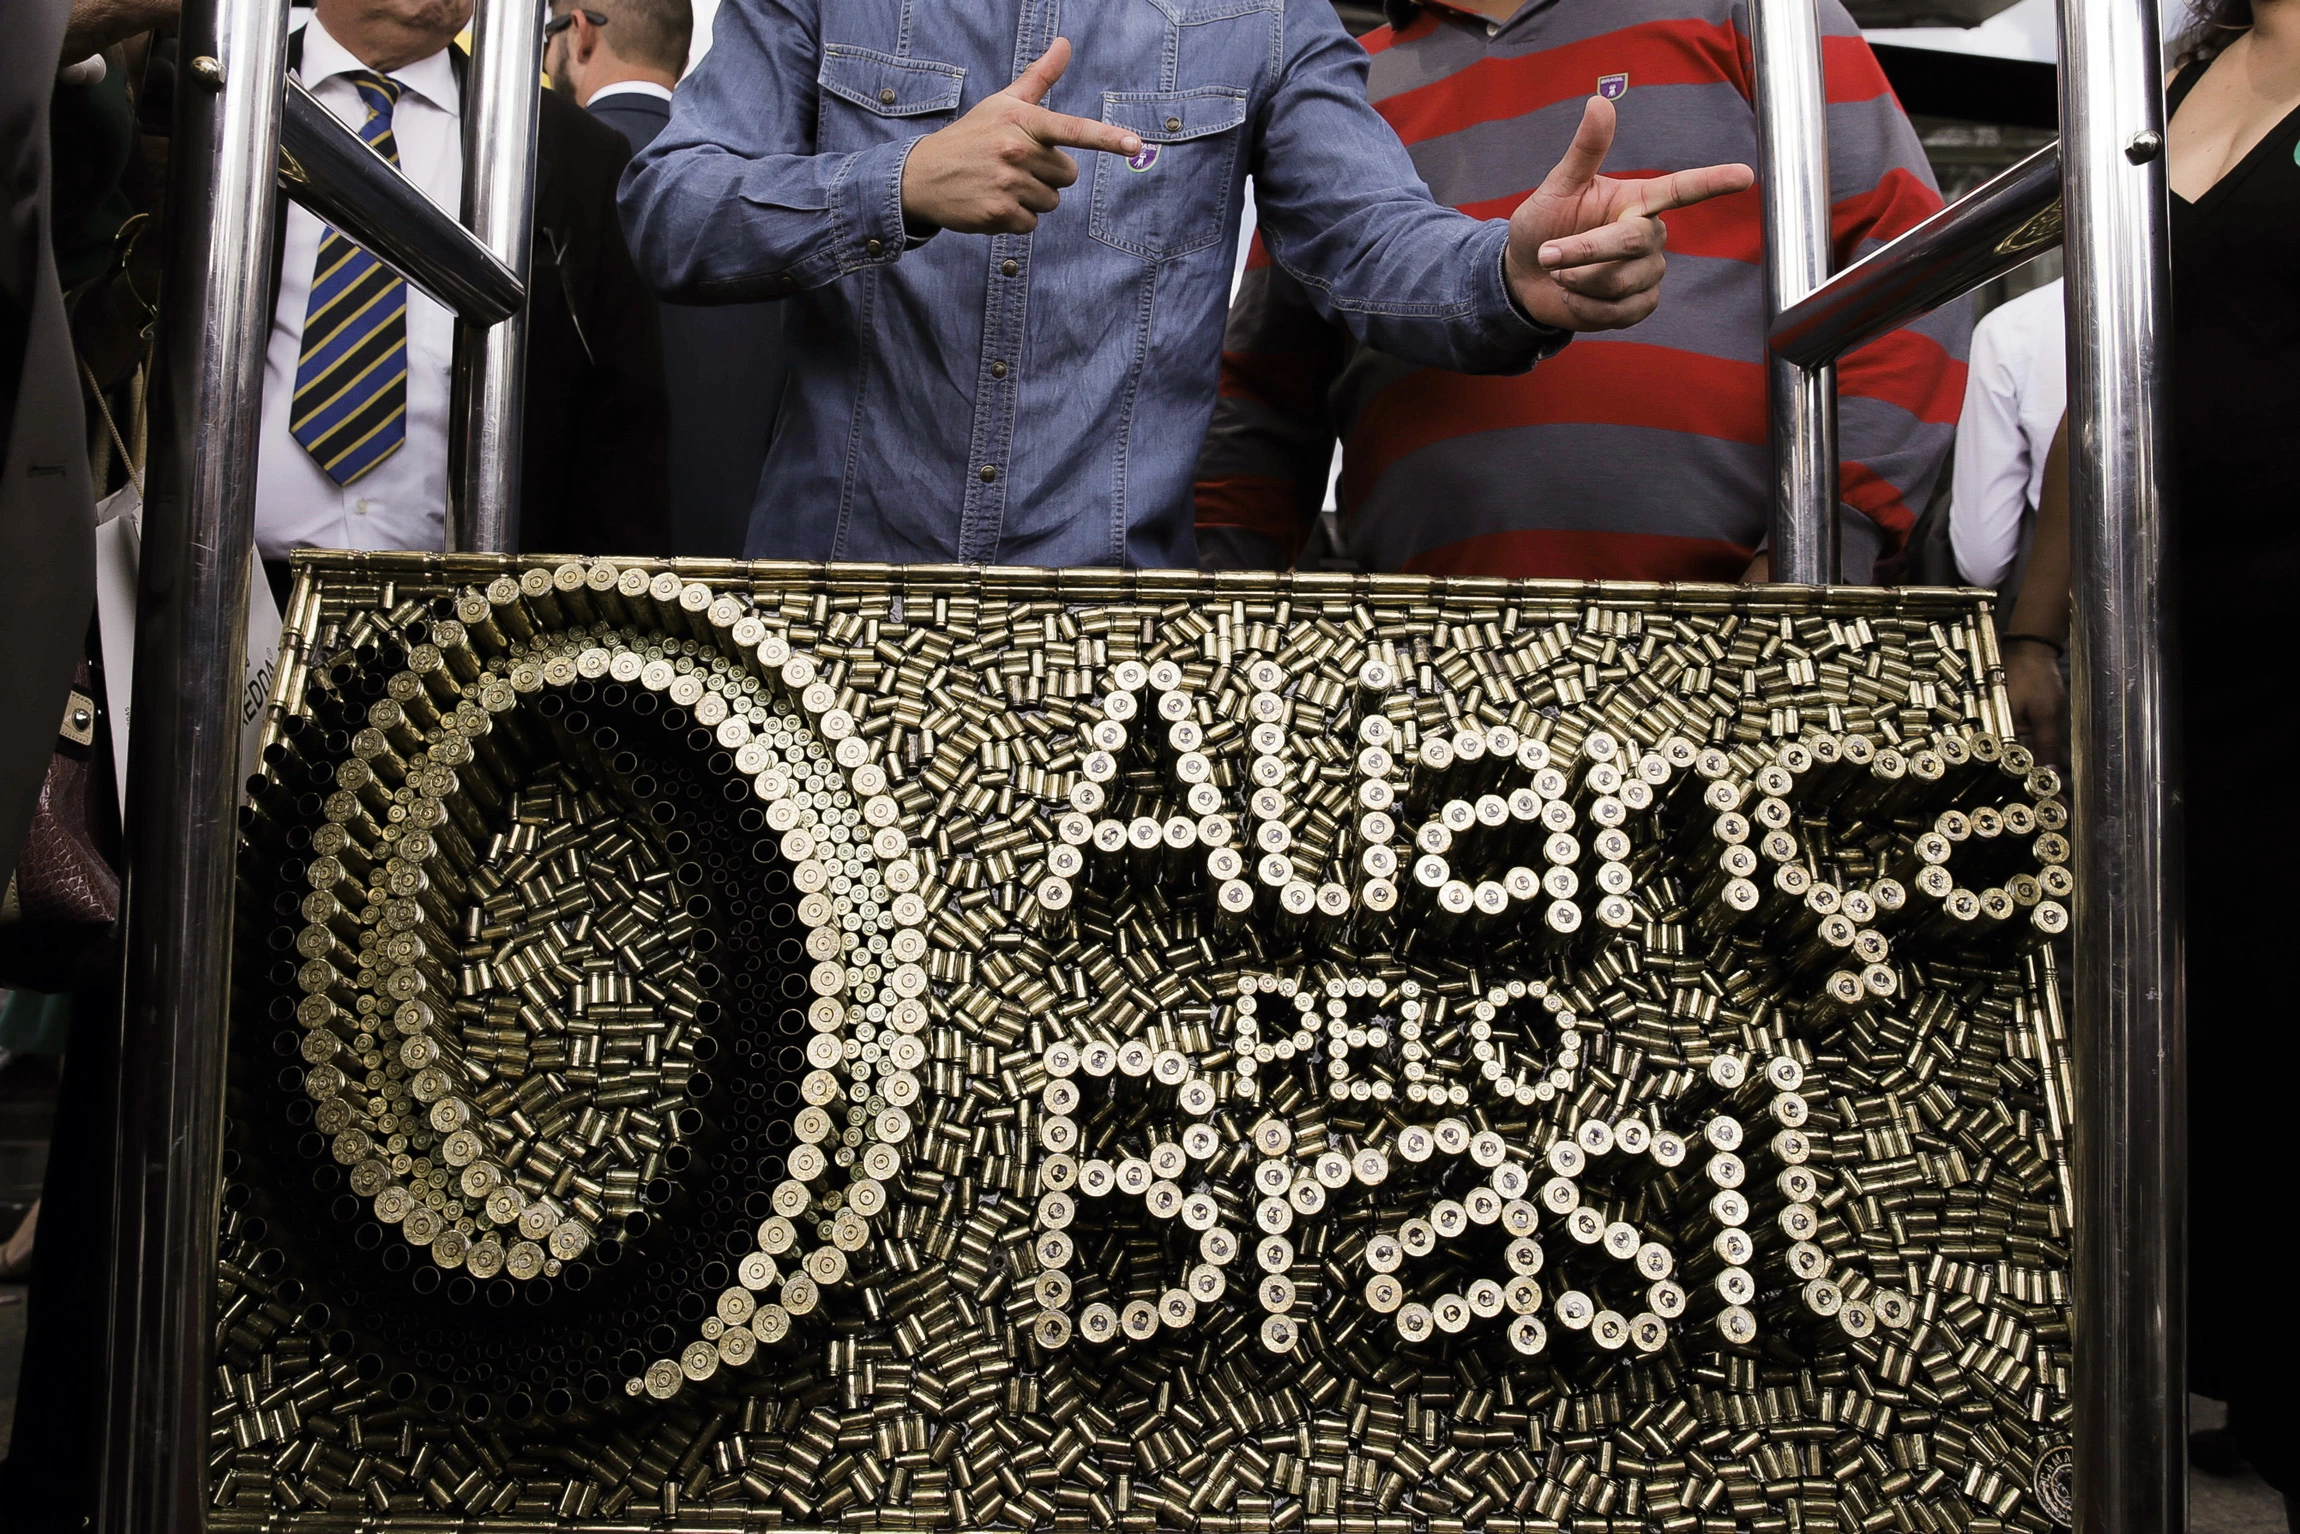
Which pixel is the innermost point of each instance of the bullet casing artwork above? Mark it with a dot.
(745, 1046)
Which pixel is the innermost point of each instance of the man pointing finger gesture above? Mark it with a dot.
(1524, 477)
(999, 167)
(1585, 249)
(1011, 253)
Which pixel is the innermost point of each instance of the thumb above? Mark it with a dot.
(1033, 83)
(1586, 154)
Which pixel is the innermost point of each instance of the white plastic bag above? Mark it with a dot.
(119, 543)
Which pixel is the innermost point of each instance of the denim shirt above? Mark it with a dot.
(1038, 399)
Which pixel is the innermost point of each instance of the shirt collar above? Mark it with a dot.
(433, 78)
(1483, 23)
(630, 88)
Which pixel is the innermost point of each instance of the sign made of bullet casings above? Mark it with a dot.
(828, 1046)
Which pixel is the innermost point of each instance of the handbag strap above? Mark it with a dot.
(104, 406)
(134, 445)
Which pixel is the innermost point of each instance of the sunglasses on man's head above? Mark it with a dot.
(561, 23)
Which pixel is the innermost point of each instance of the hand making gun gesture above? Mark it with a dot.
(1585, 250)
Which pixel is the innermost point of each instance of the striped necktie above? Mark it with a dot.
(350, 410)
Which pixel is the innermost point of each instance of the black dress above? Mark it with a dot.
(2236, 345)
(2236, 419)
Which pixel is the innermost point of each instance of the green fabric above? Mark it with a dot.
(92, 131)
(34, 1023)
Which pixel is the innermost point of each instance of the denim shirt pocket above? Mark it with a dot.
(870, 98)
(1168, 200)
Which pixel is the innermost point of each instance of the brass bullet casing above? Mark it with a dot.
(823, 1042)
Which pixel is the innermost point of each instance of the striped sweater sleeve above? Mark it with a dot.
(1898, 397)
(1262, 472)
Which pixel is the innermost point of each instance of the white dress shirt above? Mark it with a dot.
(629, 88)
(2015, 394)
(401, 503)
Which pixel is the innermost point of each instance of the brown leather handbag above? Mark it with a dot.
(61, 906)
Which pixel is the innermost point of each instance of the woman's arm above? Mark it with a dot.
(2035, 635)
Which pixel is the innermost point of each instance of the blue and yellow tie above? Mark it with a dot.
(350, 410)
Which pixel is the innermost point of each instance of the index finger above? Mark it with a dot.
(1684, 188)
(1060, 128)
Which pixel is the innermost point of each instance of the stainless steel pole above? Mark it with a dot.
(2129, 1044)
(1793, 170)
(184, 766)
(499, 208)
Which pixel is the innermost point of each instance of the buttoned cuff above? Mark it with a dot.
(867, 227)
(1512, 326)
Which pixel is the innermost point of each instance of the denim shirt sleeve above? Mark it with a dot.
(1343, 210)
(731, 201)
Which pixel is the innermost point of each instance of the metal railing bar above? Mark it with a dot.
(502, 108)
(184, 768)
(1996, 228)
(2128, 1041)
(330, 170)
(1793, 178)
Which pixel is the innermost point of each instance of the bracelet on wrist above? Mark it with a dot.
(2053, 645)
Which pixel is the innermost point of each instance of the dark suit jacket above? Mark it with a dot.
(47, 513)
(594, 475)
(723, 366)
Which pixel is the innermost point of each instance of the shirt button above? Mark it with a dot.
(886, 98)
(998, 370)
(989, 472)
(1492, 28)
(1009, 267)
(360, 505)
(872, 247)
(1173, 125)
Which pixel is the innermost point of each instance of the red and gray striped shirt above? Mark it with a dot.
(1637, 454)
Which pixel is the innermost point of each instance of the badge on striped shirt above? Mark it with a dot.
(1613, 87)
